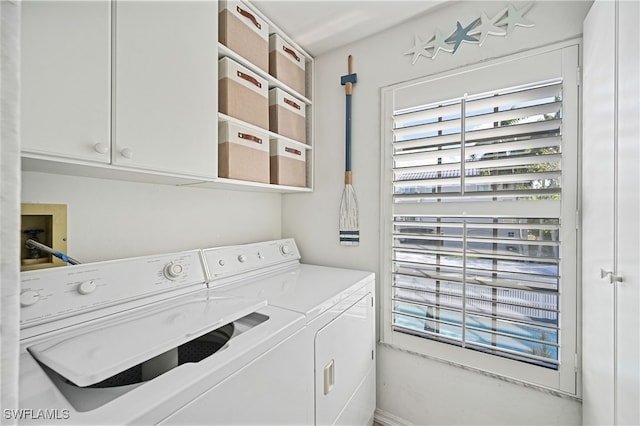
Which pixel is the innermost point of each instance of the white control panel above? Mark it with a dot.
(49, 294)
(223, 262)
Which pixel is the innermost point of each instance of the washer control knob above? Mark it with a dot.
(29, 297)
(242, 258)
(285, 249)
(173, 271)
(87, 287)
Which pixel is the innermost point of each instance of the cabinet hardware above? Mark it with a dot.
(127, 153)
(612, 278)
(101, 148)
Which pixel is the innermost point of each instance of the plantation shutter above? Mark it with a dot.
(484, 275)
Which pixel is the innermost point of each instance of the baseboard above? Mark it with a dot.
(387, 419)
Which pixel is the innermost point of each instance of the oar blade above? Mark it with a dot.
(349, 230)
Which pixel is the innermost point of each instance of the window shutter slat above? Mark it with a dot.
(429, 129)
(425, 115)
(516, 131)
(549, 92)
(435, 141)
(513, 116)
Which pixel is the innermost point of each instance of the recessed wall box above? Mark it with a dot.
(47, 224)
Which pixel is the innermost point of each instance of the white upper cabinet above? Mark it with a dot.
(128, 89)
(66, 79)
(165, 86)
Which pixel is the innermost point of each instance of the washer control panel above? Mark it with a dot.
(48, 294)
(223, 262)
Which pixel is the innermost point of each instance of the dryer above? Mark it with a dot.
(338, 307)
(146, 341)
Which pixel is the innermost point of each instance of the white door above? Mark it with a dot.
(628, 217)
(66, 79)
(598, 210)
(611, 325)
(165, 105)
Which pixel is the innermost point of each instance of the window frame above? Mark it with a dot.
(567, 378)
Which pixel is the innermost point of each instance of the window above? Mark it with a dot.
(480, 238)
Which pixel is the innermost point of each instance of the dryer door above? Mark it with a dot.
(343, 360)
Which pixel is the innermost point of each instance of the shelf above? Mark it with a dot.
(78, 168)
(245, 185)
(273, 82)
(272, 135)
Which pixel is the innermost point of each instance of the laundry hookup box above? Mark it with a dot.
(287, 64)
(243, 153)
(242, 94)
(244, 32)
(287, 115)
(288, 163)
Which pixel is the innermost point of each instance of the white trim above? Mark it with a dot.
(385, 418)
(564, 56)
(10, 184)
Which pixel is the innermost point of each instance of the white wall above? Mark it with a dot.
(419, 390)
(110, 219)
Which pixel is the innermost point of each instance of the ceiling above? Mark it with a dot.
(322, 25)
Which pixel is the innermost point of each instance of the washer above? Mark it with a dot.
(144, 340)
(338, 306)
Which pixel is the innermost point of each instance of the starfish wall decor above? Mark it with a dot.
(501, 24)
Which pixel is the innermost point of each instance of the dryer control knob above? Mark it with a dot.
(87, 287)
(173, 270)
(29, 297)
(242, 258)
(285, 249)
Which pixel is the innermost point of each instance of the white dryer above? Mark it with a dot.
(145, 341)
(338, 306)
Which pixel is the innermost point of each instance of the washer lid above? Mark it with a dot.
(101, 351)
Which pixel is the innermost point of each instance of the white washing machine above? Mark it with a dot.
(145, 341)
(338, 306)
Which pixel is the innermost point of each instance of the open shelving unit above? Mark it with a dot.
(224, 51)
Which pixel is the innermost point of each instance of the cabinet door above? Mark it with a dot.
(343, 359)
(165, 105)
(598, 213)
(66, 79)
